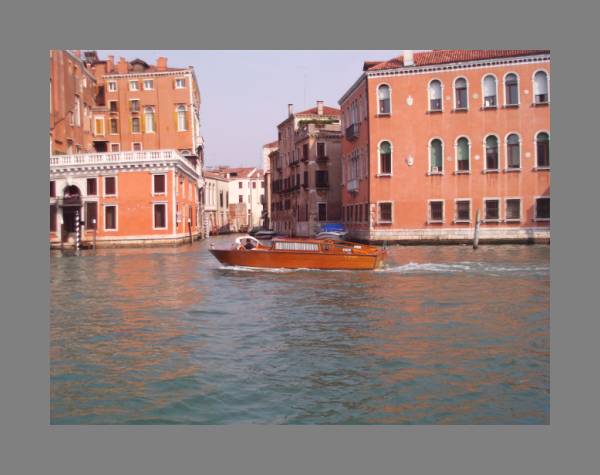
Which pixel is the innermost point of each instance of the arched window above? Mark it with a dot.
(435, 95)
(383, 93)
(460, 94)
(436, 156)
(513, 152)
(540, 87)
(385, 158)
(149, 119)
(542, 142)
(491, 153)
(511, 88)
(181, 118)
(489, 91)
(462, 155)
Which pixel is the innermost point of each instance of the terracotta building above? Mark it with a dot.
(433, 138)
(306, 171)
(72, 99)
(143, 182)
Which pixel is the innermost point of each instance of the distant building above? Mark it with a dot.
(306, 171)
(431, 138)
(216, 205)
(267, 152)
(126, 151)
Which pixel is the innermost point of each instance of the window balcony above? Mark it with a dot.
(322, 185)
(352, 132)
(323, 159)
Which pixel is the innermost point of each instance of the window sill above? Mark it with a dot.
(435, 173)
(461, 109)
(487, 108)
(435, 111)
(511, 106)
(384, 114)
(541, 220)
(462, 221)
(511, 170)
(541, 169)
(488, 221)
(462, 172)
(109, 196)
(384, 222)
(159, 194)
(490, 171)
(513, 220)
(540, 104)
(435, 222)
(383, 175)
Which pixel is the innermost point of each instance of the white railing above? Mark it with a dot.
(352, 185)
(111, 158)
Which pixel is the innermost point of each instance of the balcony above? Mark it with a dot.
(322, 159)
(352, 185)
(322, 185)
(352, 132)
(304, 158)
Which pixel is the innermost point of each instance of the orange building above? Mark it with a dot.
(133, 174)
(306, 171)
(433, 138)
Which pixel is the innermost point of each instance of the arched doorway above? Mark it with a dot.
(71, 212)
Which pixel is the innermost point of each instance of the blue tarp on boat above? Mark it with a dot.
(333, 227)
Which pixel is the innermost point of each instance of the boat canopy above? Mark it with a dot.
(333, 227)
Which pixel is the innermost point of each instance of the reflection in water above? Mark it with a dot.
(443, 335)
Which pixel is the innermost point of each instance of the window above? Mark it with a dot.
(542, 209)
(182, 124)
(179, 83)
(540, 87)
(254, 184)
(134, 105)
(436, 156)
(513, 152)
(511, 87)
(491, 153)
(148, 84)
(114, 106)
(320, 149)
(436, 212)
(110, 217)
(159, 184)
(322, 210)
(134, 86)
(460, 94)
(305, 152)
(306, 179)
(135, 125)
(542, 145)
(262, 184)
(149, 119)
(385, 212)
(367, 212)
(435, 95)
(92, 186)
(114, 147)
(462, 155)
(114, 126)
(53, 215)
(463, 211)
(322, 178)
(136, 146)
(221, 199)
(99, 126)
(513, 209)
(52, 189)
(489, 92)
(383, 93)
(240, 184)
(491, 210)
(110, 186)
(240, 199)
(385, 158)
(160, 216)
(91, 214)
(112, 86)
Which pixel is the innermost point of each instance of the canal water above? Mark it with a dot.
(442, 335)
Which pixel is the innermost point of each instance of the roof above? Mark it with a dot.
(425, 58)
(240, 172)
(273, 144)
(326, 111)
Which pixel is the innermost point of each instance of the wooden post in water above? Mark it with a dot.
(190, 227)
(476, 233)
(94, 224)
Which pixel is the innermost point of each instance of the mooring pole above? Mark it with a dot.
(476, 233)
(190, 228)
(94, 224)
(77, 230)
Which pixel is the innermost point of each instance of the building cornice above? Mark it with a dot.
(177, 72)
(352, 88)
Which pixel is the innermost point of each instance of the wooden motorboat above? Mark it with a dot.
(299, 253)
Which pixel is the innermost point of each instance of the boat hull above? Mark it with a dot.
(295, 260)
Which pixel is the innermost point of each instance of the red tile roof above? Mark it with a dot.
(271, 144)
(426, 58)
(326, 111)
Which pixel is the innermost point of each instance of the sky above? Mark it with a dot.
(245, 93)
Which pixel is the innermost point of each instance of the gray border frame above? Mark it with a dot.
(28, 445)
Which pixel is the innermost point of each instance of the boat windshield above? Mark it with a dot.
(296, 246)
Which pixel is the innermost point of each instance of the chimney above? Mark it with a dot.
(122, 66)
(161, 63)
(319, 107)
(408, 57)
(110, 64)
(290, 109)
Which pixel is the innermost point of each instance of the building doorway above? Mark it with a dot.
(71, 213)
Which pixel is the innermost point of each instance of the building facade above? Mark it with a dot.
(434, 139)
(267, 152)
(216, 205)
(306, 171)
(133, 161)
